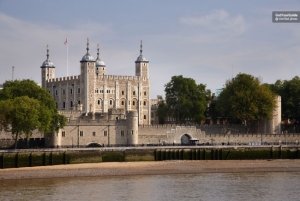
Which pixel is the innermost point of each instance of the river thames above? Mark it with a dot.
(275, 186)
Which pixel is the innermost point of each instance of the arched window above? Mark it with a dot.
(133, 102)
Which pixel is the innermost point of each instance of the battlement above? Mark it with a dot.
(63, 79)
(173, 126)
(118, 77)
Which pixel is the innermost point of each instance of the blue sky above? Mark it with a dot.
(210, 41)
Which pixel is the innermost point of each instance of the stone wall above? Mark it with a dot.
(171, 134)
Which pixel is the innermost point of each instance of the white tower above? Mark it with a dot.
(100, 65)
(141, 64)
(47, 70)
(142, 71)
(87, 81)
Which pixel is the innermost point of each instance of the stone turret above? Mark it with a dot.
(87, 81)
(100, 65)
(133, 128)
(141, 64)
(47, 70)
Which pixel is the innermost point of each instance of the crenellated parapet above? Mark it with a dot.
(118, 77)
(64, 79)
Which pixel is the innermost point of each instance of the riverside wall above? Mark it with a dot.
(172, 134)
(30, 158)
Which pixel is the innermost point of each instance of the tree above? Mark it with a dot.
(25, 106)
(245, 99)
(22, 115)
(289, 90)
(162, 112)
(186, 101)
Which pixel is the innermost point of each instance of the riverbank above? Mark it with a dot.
(149, 168)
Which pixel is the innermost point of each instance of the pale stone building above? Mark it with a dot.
(101, 109)
(94, 91)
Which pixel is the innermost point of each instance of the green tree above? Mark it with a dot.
(289, 90)
(35, 102)
(245, 99)
(162, 112)
(22, 115)
(186, 101)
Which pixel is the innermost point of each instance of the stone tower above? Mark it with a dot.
(100, 65)
(87, 81)
(142, 71)
(141, 65)
(47, 70)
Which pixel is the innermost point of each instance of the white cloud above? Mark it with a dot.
(218, 20)
(23, 45)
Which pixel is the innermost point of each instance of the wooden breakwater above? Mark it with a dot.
(30, 158)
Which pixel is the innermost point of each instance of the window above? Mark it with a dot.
(71, 104)
(105, 133)
(79, 102)
(145, 117)
(133, 93)
(56, 92)
(64, 105)
(63, 133)
(81, 133)
(145, 93)
(78, 90)
(122, 92)
(99, 102)
(122, 133)
(122, 103)
(133, 102)
(71, 91)
(94, 133)
(64, 92)
(110, 102)
(144, 103)
(131, 132)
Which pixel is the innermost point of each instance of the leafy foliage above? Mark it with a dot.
(186, 101)
(162, 112)
(245, 99)
(289, 90)
(25, 106)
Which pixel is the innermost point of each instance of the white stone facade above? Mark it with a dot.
(93, 91)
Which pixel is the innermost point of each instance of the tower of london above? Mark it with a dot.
(94, 91)
(100, 108)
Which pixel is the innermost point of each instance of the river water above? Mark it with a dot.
(271, 186)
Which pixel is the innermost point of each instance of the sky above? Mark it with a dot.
(210, 41)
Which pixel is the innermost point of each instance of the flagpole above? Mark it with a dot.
(66, 43)
(67, 59)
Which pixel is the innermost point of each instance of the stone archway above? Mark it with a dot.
(185, 139)
(94, 144)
